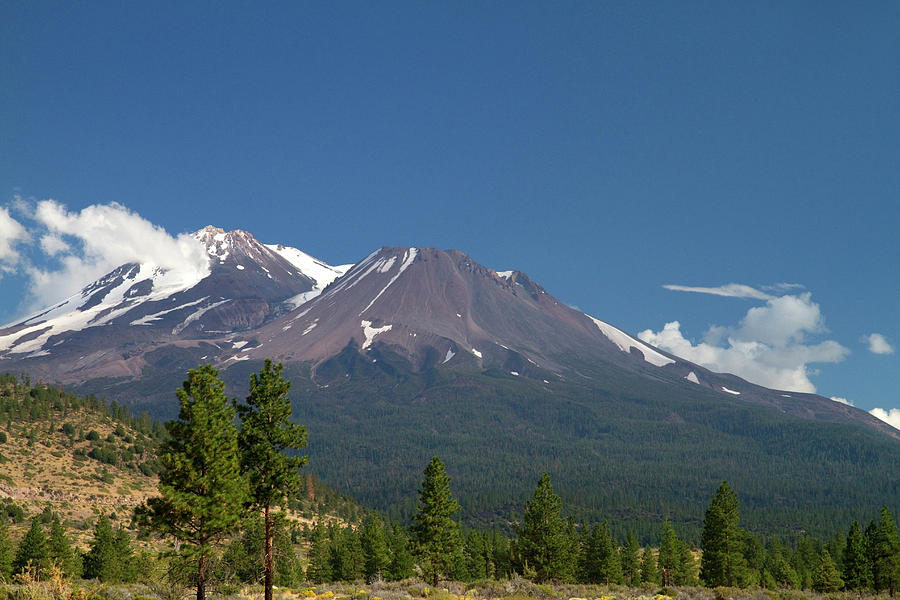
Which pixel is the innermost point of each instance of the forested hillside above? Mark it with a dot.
(628, 453)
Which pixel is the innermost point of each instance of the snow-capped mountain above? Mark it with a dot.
(137, 307)
(423, 308)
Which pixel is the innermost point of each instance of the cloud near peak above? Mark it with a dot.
(12, 234)
(60, 251)
(773, 345)
(890, 416)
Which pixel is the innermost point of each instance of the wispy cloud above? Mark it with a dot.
(842, 400)
(60, 251)
(890, 416)
(783, 288)
(878, 344)
(732, 290)
(773, 345)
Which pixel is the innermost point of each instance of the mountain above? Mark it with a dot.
(113, 326)
(414, 352)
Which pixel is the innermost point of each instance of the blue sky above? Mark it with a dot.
(606, 149)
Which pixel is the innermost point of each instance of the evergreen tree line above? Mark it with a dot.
(24, 402)
(110, 556)
(551, 548)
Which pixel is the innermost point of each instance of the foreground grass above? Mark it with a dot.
(55, 587)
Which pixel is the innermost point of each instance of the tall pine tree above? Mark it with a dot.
(60, 550)
(437, 537)
(402, 563)
(32, 551)
(649, 571)
(375, 549)
(886, 568)
(543, 542)
(857, 570)
(202, 492)
(631, 566)
(266, 435)
(722, 563)
(669, 554)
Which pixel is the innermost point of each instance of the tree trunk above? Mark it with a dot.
(201, 577)
(269, 567)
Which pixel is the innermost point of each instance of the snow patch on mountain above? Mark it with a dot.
(323, 273)
(80, 311)
(692, 377)
(147, 319)
(732, 392)
(625, 343)
(408, 259)
(310, 327)
(370, 332)
(196, 315)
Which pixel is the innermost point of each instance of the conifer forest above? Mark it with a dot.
(235, 511)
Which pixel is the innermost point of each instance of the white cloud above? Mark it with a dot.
(52, 245)
(842, 400)
(878, 344)
(770, 346)
(890, 416)
(11, 234)
(783, 288)
(85, 245)
(732, 290)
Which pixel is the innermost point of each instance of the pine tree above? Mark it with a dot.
(266, 434)
(601, 558)
(437, 537)
(102, 559)
(127, 566)
(870, 537)
(402, 564)
(477, 559)
(649, 571)
(375, 549)
(669, 554)
(722, 563)
(32, 550)
(825, 576)
(7, 553)
(857, 570)
(61, 552)
(631, 566)
(887, 553)
(543, 542)
(202, 493)
(687, 566)
(782, 573)
(347, 559)
(319, 567)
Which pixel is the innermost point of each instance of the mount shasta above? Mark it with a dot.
(413, 352)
